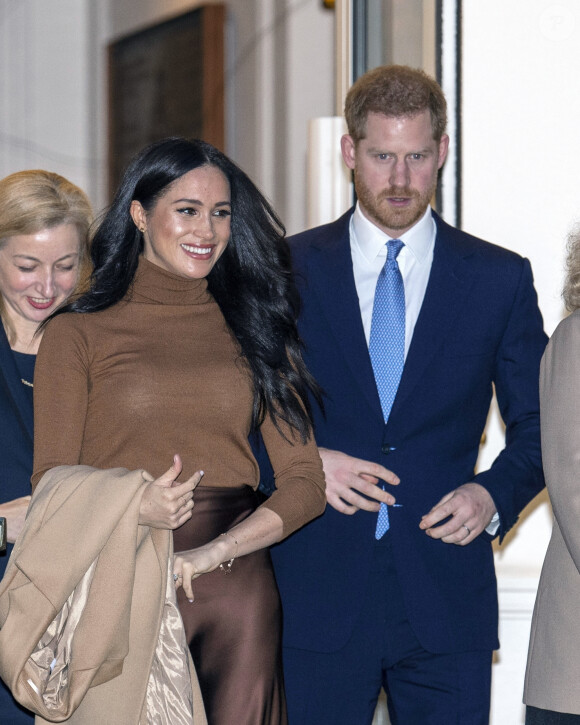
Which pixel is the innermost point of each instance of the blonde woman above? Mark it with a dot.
(44, 223)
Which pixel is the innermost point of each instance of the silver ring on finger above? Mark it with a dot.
(466, 527)
(176, 577)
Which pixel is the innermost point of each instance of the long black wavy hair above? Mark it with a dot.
(251, 282)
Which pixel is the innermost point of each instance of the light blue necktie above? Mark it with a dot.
(387, 343)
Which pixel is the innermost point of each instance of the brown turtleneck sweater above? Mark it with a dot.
(157, 374)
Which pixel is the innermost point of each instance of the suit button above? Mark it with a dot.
(386, 449)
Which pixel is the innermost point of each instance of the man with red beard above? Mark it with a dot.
(408, 325)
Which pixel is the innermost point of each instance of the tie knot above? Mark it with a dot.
(394, 246)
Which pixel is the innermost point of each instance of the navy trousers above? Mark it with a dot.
(422, 688)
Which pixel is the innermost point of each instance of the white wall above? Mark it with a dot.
(47, 95)
(53, 96)
(521, 184)
(279, 75)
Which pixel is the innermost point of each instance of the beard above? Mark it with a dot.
(389, 218)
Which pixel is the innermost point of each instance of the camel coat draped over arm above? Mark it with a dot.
(89, 630)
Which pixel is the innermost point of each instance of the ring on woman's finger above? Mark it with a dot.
(466, 527)
(177, 576)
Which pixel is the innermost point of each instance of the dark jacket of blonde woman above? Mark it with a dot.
(16, 431)
(553, 671)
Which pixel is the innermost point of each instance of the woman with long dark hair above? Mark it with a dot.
(184, 344)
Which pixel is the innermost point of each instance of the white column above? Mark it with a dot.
(329, 185)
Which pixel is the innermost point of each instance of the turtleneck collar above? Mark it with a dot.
(154, 285)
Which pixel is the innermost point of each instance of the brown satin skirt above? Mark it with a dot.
(233, 627)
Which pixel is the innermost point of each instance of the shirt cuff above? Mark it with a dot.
(493, 525)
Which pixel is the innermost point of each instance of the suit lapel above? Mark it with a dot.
(331, 279)
(13, 387)
(450, 280)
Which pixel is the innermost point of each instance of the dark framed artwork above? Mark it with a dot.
(166, 80)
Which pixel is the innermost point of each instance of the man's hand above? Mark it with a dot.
(471, 509)
(347, 478)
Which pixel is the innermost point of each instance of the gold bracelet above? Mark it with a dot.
(227, 569)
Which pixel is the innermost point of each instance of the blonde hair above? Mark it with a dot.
(33, 200)
(571, 291)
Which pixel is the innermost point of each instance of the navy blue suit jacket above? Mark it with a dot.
(16, 433)
(479, 327)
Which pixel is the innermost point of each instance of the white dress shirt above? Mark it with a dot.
(368, 246)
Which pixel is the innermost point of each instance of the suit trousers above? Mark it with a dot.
(423, 688)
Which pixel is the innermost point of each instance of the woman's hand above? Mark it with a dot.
(167, 504)
(188, 565)
(261, 529)
(15, 513)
